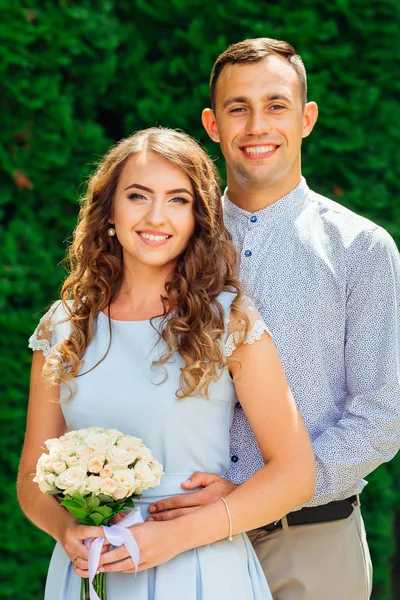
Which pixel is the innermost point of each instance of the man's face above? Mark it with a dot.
(260, 121)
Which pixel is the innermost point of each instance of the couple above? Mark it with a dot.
(161, 341)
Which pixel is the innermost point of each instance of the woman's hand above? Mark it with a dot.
(73, 541)
(157, 544)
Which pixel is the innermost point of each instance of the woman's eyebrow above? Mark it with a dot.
(146, 189)
(180, 191)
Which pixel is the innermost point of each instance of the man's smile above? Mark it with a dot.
(257, 151)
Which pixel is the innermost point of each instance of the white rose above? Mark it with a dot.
(144, 453)
(90, 430)
(125, 442)
(50, 479)
(120, 457)
(79, 487)
(55, 454)
(84, 452)
(52, 443)
(72, 461)
(98, 440)
(108, 486)
(137, 446)
(120, 492)
(95, 465)
(126, 478)
(44, 486)
(74, 476)
(59, 466)
(156, 467)
(93, 483)
(106, 472)
(144, 476)
(100, 454)
(67, 446)
(70, 435)
(45, 463)
(114, 434)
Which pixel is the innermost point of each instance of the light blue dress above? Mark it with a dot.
(185, 435)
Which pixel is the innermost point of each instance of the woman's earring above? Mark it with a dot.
(111, 231)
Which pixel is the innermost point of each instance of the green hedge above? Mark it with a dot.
(77, 75)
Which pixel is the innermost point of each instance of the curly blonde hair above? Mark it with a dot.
(193, 318)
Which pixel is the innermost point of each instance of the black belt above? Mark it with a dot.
(334, 511)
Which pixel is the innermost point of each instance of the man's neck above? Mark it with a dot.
(253, 198)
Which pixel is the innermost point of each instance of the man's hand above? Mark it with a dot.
(214, 487)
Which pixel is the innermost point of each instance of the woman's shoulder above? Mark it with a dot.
(53, 327)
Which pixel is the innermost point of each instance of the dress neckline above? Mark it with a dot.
(103, 314)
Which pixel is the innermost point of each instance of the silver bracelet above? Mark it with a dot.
(228, 512)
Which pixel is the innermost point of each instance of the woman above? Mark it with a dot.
(154, 337)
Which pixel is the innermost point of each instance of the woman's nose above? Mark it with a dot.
(156, 213)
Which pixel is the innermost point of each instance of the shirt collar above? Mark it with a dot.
(286, 208)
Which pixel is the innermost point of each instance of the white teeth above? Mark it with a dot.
(154, 238)
(259, 149)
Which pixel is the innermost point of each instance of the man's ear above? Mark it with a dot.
(310, 117)
(210, 124)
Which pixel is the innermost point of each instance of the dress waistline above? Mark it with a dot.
(170, 485)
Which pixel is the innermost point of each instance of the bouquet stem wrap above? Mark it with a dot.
(117, 535)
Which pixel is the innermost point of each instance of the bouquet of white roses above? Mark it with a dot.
(95, 473)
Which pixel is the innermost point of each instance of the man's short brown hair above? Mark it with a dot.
(253, 51)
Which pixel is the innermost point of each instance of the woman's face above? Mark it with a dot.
(153, 211)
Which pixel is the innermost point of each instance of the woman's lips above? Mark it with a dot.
(154, 238)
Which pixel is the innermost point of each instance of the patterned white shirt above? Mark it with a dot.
(327, 283)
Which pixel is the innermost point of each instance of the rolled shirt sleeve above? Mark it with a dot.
(368, 432)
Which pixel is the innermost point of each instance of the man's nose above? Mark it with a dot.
(257, 123)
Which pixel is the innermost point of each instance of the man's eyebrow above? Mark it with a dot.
(244, 99)
(234, 100)
(146, 189)
(278, 96)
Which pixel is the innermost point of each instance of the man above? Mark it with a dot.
(327, 283)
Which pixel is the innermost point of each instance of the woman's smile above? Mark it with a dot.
(154, 238)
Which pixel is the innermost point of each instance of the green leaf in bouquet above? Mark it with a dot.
(54, 492)
(104, 499)
(70, 503)
(129, 502)
(79, 499)
(92, 501)
(86, 521)
(79, 512)
(96, 518)
(106, 511)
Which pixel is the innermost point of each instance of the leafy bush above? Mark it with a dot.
(75, 76)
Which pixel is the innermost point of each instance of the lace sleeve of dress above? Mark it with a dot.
(235, 328)
(42, 336)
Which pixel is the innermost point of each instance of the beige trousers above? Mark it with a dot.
(323, 561)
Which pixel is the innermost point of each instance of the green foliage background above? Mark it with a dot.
(77, 75)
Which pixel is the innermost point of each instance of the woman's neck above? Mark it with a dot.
(140, 295)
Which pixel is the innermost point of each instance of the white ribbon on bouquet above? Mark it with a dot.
(117, 535)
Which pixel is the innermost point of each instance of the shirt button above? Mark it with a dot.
(234, 458)
(247, 252)
(253, 219)
(238, 405)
